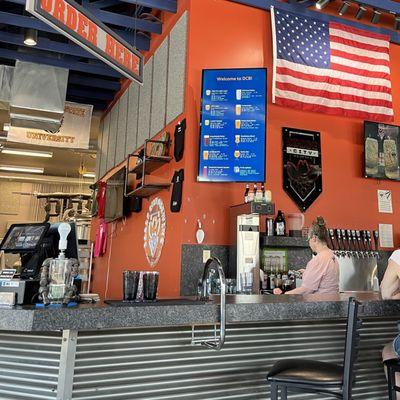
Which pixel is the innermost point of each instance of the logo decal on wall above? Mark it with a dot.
(154, 231)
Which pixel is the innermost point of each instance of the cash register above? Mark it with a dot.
(34, 242)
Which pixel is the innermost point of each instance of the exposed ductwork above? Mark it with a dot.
(38, 95)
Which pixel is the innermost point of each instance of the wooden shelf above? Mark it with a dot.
(148, 189)
(283, 241)
(151, 164)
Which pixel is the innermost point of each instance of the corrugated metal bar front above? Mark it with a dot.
(29, 365)
(160, 364)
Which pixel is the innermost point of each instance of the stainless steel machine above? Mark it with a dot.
(357, 257)
(245, 226)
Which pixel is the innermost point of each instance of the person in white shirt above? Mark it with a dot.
(390, 289)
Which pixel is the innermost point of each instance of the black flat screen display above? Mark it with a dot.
(382, 148)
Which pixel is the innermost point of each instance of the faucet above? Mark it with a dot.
(214, 264)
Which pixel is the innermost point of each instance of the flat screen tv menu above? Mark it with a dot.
(233, 125)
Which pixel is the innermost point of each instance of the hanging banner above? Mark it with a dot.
(74, 132)
(302, 167)
(77, 24)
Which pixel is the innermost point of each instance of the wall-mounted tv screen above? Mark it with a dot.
(233, 125)
(382, 148)
(114, 208)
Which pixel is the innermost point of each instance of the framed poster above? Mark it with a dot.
(233, 125)
(302, 166)
(382, 148)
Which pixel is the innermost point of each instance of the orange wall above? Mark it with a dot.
(239, 36)
(223, 34)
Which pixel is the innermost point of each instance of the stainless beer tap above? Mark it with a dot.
(346, 244)
(333, 241)
(360, 244)
(351, 244)
(370, 243)
(364, 236)
(354, 238)
(376, 240)
(341, 252)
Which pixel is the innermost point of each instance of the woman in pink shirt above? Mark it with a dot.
(322, 272)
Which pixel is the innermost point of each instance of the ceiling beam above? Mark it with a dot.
(91, 94)
(104, 3)
(46, 44)
(98, 104)
(163, 5)
(298, 8)
(80, 80)
(126, 21)
(69, 64)
(142, 43)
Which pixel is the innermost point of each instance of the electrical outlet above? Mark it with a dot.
(206, 255)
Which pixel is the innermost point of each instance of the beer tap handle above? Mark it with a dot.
(346, 244)
(333, 240)
(354, 237)
(339, 241)
(350, 241)
(376, 240)
(365, 242)
(329, 239)
(360, 244)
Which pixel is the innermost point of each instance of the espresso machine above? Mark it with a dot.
(244, 257)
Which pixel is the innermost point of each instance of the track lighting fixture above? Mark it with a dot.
(361, 11)
(344, 7)
(321, 4)
(30, 37)
(375, 16)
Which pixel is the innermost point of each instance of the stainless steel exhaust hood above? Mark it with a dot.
(38, 96)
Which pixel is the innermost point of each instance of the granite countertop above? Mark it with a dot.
(239, 308)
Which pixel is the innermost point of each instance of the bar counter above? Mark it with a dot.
(144, 351)
(188, 311)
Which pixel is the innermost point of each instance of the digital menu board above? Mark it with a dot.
(233, 125)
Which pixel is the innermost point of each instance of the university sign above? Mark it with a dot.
(73, 21)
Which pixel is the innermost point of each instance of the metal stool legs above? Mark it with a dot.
(274, 391)
(391, 383)
(283, 393)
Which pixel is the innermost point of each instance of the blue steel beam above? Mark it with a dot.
(142, 43)
(98, 104)
(104, 3)
(163, 5)
(46, 44)
(298, 8)
(125, 21)
(91, 94)
(80, 80)
(69, 64)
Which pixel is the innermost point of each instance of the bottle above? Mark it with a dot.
(246, 193)
(280, 224)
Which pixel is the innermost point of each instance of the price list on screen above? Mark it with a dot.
(233, 125)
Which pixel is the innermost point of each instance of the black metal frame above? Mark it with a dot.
(393, 366)
(350, 355)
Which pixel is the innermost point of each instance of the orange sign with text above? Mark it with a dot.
(77, 24)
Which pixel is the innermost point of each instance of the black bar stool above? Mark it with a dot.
(392, 366)
(308, 376)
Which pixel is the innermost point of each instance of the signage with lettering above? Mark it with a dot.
(302, 168)
(74, 131)
(73, 21)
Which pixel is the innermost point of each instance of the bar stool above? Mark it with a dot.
(308, 376)
(393, 366)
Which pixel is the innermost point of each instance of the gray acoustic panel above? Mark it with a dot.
(177, 69)
(112, 137)
(98, 153)
(145, 103)
(104, 146)
(132, 120)
(121, 129)
(159, 97)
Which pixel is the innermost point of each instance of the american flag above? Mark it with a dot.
(330, 68)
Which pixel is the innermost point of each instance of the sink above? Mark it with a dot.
(158, 302)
